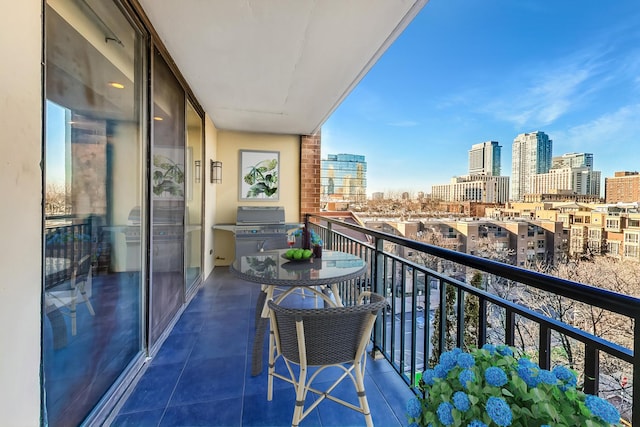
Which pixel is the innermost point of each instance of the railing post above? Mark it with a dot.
(328, 243)
(591, 370)
(377, 286)
(635, 415)
(544, 352)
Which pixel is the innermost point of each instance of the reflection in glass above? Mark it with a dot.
(92, 279)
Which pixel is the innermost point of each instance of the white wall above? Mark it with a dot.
(21, 212)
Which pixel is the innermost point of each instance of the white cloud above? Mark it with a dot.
(620, 128)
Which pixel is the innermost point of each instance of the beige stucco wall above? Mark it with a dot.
(229, 145)
(21, 213)
(210, 192)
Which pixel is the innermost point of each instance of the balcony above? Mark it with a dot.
(201, 374)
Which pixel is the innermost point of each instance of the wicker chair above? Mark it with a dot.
(323, 337)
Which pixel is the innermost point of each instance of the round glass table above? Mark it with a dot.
(270, 269)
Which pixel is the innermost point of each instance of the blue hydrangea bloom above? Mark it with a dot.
(444, 413)
(456, 351)
(414, 407)
(490, 348)
(499, 411)
(566, 377)
(414, 424)
(602, 409)
(504, 350)
(461, 401)
(440, 371)
(465, 376)
(547, 377)
(530, 375)
(428, 376)
(495, 376)
(476, 423)
(523, 361)
(448, 360)
(465, 360)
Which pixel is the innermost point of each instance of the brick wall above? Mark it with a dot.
(309, 174)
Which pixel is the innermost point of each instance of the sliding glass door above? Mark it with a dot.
(193, 219)
(94, 146)
(167, 198)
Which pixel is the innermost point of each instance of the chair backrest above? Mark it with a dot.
(331, 335)
(82, 269)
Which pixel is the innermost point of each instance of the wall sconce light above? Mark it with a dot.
(216, 172)
(198, 171)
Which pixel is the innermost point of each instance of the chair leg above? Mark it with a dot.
(301, 392)
(72, 312)
(362, 397)
(86, 300)
(272, 363)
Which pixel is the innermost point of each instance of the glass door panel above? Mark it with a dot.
(94, 188)
(195, 170)
(167, 198)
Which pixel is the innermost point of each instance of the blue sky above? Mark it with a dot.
(470, 71)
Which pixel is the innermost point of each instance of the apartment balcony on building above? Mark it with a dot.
(137, 128)
(216, 330)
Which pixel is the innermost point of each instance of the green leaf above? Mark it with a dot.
(506, 392)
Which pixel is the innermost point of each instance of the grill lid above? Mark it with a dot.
(257, 215)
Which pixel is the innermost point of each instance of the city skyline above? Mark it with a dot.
(464, 73)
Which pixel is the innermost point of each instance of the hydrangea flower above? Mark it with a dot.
(530, 375)
(495, 376)
(476, 423)
(440, 371)
(414, 407)
(504, 350)
(465, 376)
(490, 348)
(523, 361)
(448, 360)
(499, 411)
(465, 360)
(461, 401)
(566, 376)
(602, 409)
(428, 376)
(444, 413)
(547, 377)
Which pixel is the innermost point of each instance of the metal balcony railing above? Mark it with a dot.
(419, 278)
(67, 240)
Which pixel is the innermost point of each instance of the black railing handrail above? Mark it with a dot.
(611, 301)
(602, 298)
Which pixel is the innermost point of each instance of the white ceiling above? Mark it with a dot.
(276, 66)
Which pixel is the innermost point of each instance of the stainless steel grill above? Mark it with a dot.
(260, 228)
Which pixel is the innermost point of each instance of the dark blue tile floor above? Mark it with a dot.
(201, 376)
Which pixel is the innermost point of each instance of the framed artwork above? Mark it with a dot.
(259, 175)
(168, 173)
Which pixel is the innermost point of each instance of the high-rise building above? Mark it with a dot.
(573, 160)
(343, 177)
(484, 159)
(531, 155)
